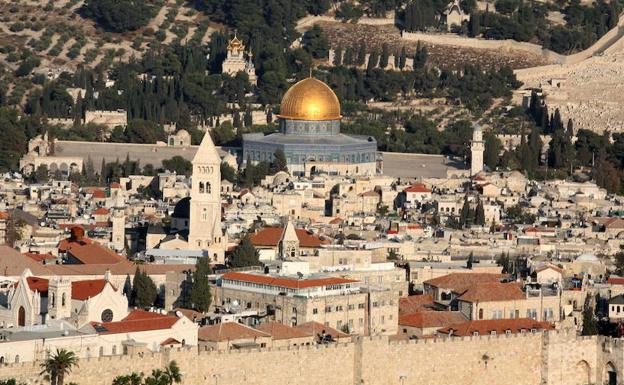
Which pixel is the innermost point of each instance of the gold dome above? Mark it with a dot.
(310, 99)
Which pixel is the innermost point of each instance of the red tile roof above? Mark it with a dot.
(4, 215)
(415, 303)
(115, 185)
(136, 321)
(39, 257)
(170, 341)
(417, 188)
(314, 329)
(270, 236)
(460, 282)
(291, 283)
(229, 331)
(92, 253)
(615, 280)
(500, 326)
(279, 331)
(101, 211)
(492, 292)
(98, 193)
(431, 319)
(81, 290)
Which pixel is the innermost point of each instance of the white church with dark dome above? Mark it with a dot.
(309, 135)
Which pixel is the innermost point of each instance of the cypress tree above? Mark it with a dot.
(361, 56)
(338, 56)
(385, 54)
(199, 294)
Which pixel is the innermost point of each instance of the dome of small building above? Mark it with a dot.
(310, 99)
(182, 208)
(587, 257)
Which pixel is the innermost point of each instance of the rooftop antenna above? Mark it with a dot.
(310, 70)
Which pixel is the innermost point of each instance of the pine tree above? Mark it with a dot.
(475, 25)
(348, 57)
(245, 254)
(470, 261)
(200, 295)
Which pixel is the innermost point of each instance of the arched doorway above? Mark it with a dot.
(582, 373)
(21, 316)
(610, 374)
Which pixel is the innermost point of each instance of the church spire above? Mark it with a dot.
(207, 152)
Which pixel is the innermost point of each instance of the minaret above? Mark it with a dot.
(118, 237)
(477, 146)
(289, 242)
(205, 231)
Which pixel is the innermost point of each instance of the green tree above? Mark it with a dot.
(590, 325)
(59, 365)
(129, 379)
(172, 373)
(493, 148)
(606, 175)
(315, 42)
(227, 172)
(465, 214)
(470, 261)
(179, 165)
(42, 174)
(279, 162)
(144, 292)
(200, 289)
(120, 15)
(384, 56)
(245, 254)
(143, 131)
(479, 217)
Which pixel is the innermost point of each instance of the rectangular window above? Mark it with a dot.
(361, 306)
(315, 311)
(328, 309)
(375, 304)
(351, 307)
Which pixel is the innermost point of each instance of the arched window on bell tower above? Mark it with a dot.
(204, 216)
(201, 187)
(207, 187)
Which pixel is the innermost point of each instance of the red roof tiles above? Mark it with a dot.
(270, 236)
(229, 331)
(136, 321)
(279, 331)
(493, 292)
(499, 326)
(101, 211)
(415, 303)
(81, 290)
(291, 283)
(460, 282)
(417, 188)
(431, 318)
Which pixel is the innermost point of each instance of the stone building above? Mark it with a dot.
(236, 62)
(41, 152)
(340, 303)
(453, 15)
(309, 135)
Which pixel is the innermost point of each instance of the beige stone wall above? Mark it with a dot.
(554, 358)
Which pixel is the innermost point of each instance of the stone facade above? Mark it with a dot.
(553, 358)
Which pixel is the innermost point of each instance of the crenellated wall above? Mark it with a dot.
(553, 358)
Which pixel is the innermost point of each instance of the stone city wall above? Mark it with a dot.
(553, 358)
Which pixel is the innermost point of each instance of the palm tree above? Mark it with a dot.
(172, 372)
(59, 365)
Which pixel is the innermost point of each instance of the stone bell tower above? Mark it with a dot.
(205, 231)
(59, 298)
(477, 147)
